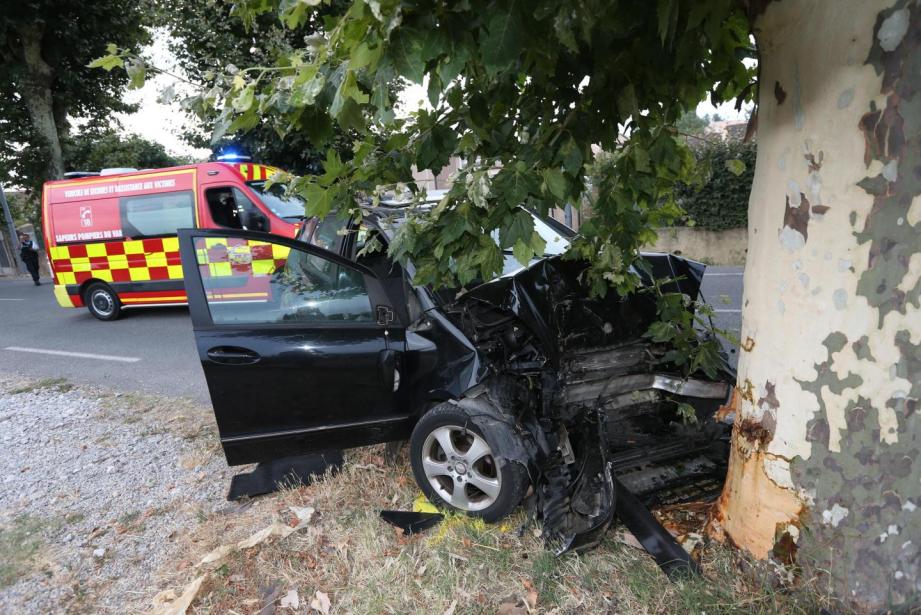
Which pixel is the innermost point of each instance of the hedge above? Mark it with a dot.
(721, 202)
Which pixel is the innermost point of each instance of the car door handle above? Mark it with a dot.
(232, 355)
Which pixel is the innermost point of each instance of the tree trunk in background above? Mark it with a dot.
(38, 98)
(826, 455)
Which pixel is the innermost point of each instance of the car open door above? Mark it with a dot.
(297, 345)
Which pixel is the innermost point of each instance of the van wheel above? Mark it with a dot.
(454, 463)
(102, 302)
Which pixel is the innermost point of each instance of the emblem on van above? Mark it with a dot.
(86, 216)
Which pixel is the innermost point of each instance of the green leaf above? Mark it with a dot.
(380, 98)
(436, 148)
(137, 73)
(363, 56)
(453, 226)
(735, 166)
(502, 44)
(522, 252)
(555, 183)
(513, 184)
(319, 200)
(572, 158)
(667, 12)
(515, 228)
(408, 50)
(626, 102)
(244, 100)
(687, 413)
(106, 63)
(526, 249)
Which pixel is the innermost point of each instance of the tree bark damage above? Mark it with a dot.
(825, 462)
(38, 96)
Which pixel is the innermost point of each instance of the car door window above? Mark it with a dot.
(231, 208)
(248, 281)
(328, 232)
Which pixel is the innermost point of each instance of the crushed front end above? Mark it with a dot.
(596, 398)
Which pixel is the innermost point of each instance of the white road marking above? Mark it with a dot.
(728, 311)
(4, 299)
(732, 273)
(79, 355)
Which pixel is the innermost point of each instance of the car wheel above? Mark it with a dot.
(455, 464)
(102, 302)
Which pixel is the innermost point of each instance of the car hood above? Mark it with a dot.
(551, 298)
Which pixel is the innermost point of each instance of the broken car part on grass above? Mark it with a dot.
(520, 389)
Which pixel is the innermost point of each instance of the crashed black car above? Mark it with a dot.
(520, 387)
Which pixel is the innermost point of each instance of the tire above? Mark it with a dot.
(468, 465)
(102, 302)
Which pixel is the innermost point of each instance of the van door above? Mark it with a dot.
(297, 345)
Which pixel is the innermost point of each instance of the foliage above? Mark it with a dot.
(96, 149)
(521, 91)
(692, 124)
(72, 34)
(721, 201)
(207, 39)
(92, 149)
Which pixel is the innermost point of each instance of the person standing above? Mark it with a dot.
(29, 256)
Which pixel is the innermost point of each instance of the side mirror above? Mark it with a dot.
(255, 221)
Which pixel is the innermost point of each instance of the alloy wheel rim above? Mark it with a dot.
(103, 303)
(461, 468)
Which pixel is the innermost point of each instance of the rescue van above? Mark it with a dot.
(111, 236)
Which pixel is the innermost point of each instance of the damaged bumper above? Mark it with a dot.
(598, 403)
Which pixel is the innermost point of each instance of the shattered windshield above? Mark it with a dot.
(277, 199)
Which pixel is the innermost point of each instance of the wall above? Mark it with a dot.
(727, 247)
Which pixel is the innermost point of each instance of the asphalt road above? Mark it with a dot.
(159, 338)
(152, 349)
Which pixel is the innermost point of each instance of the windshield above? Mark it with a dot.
(276, 198)
(556, 243)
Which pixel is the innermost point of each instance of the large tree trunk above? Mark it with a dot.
(825, 467)
(38, 96)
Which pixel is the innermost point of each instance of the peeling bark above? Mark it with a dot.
(825, 464)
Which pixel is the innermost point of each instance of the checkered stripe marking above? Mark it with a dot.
(256, 172)
(135, 260)
(219, 257)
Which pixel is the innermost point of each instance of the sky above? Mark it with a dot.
(163, 123)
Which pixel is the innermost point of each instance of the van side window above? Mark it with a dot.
(157, 215)
(231, 208)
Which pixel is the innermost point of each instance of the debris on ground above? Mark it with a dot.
(411, 522)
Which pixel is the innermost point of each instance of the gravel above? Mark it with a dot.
(111, 482)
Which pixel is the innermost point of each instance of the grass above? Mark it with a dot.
(20, 543)
(366, 566)
(60, 384)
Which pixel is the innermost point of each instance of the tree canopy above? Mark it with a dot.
(525, 93)
(91, 149)
(521, 91)
(207, 38)
(45, 47)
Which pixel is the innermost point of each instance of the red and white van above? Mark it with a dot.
(111, 237)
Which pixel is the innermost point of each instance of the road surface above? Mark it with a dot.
(152, 349)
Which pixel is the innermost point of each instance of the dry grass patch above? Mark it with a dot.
(61, 385)
(20, 543)
(366, 566)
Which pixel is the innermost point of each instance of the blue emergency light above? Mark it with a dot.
(232, 157)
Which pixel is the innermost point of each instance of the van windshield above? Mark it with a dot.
(277, 199)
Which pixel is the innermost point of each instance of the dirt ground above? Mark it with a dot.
(110, 503)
